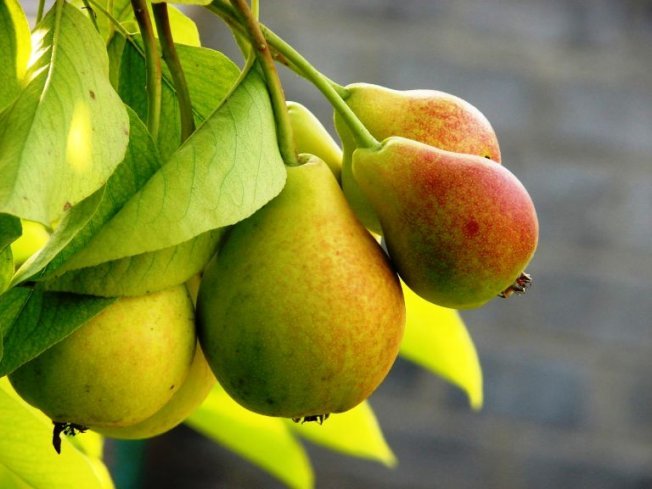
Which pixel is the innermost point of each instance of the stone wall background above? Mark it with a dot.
(568, 88)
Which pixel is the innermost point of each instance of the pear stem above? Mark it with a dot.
(290, 57)
(171, 58)
(153, 63)
(39, 12)
(284, 128)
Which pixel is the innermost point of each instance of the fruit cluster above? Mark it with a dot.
(300, 312)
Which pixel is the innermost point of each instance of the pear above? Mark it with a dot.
(185, 400)
(429, 116)
(117, 369)
(459, 228)
(300, 313)
(311, 137)
(34, 237)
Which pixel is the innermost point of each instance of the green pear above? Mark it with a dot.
(117, 369)
(429, 116)
(311, 137)
(300, 313)
(185, 400)
(458, 228)
(32, 240)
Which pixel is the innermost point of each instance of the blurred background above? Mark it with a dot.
(567, 85)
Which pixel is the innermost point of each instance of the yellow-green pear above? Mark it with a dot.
(190, 395)
(311, 137)
(300, 313)
(32, 240)
(117, 369)
(432, 117)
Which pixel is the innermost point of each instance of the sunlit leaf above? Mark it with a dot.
(14, 49)
(228, 169)
(436, 338)
(26, 450)
(32, 320)
(67, 130)
(141, 274)
(84, 220)
(355, 432)
(184, 29)
(185, 2)
(265, 441)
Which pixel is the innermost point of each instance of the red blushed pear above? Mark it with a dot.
(429, 116)
(459, 228)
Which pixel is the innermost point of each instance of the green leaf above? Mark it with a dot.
(265, 441)
(33, 320)
(26, 450)
(10, 230)
(83, 221)
(141, 274)
(184, 29)
(67, 130)
(436, 338)
(133, 275)
(228, 169)
(6, 272)
(15, 47)
(186, 2)
(10, 481)
(207, 91)
(355, 432)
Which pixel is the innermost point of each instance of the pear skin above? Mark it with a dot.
(311, 137)
(117, 369)
(459, 228)
(300, 314)
(429, 116)
(190, 395)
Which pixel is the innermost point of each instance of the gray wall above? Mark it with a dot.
(568, 87)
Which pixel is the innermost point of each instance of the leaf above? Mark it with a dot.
(26, 450)
(10, 230)
(355, 432)
(206, 90)
(15, 46)
(141, 274)
(185, 2)
(32, 320)
(6, 272)
(184, 29)
(228, 169)
(265, 441)
(67, 130)
(436, 338)
(83, 221)
(10, 481)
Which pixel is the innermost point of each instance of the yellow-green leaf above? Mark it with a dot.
(185, 2)
(263, 440)
(355, 432)
(436, 338)
(26, 450)
(67, 130)
(15, 47)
